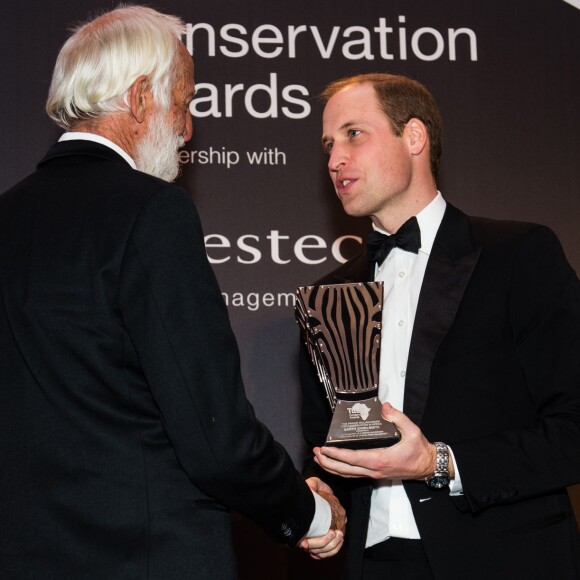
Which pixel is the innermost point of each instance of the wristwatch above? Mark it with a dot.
(440, 477)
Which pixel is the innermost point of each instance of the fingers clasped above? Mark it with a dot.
(325, 546)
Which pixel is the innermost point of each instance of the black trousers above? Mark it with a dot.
(396, 559)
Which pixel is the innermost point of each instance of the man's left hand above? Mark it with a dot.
(413, 457)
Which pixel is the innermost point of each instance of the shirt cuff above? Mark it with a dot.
(455, 485)
(322, 518)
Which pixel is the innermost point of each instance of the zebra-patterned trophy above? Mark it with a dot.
(340, 325)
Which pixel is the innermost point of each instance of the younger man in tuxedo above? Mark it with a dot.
(480, 365)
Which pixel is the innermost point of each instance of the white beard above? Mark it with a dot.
(158, 152)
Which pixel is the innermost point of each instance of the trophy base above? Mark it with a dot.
(359, 425)
(362, 443)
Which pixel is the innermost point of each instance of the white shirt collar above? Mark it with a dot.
(429, 219)
(78, 135)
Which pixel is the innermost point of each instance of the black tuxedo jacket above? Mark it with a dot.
(493, 371)
(125, 433)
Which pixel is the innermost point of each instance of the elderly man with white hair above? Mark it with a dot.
(125, 432)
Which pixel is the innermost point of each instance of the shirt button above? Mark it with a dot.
(401, 322)
(401, 274)
(403, 373)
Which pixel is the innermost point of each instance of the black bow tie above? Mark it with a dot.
(408, 237)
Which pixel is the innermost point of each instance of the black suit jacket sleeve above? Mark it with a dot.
(178, 324)
(531, 457)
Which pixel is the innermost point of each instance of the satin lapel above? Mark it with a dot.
(355, 270)
(451, 263)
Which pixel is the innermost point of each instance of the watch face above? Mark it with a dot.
(438, 481)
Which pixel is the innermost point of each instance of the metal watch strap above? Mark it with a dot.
(440, 478)
(442, 460)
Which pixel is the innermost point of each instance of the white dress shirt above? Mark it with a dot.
(402, 273)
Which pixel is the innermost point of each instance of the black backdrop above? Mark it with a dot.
(506, 75)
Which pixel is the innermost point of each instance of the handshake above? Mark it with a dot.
(412, 458)
(321, 547)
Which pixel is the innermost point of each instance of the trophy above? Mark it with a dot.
(340, 325)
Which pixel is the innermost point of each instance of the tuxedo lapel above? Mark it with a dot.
(452, 260)
(451, 263)
(355, 270)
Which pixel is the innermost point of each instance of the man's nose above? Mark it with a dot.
(337, 158)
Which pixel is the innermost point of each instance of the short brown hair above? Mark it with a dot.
(401, 98)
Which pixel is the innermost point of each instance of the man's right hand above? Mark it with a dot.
(330, 544)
